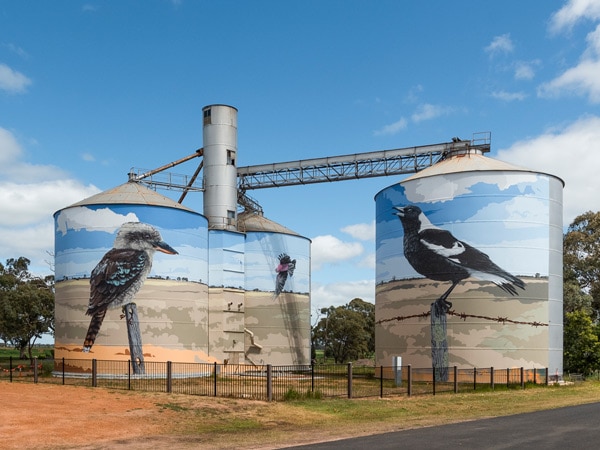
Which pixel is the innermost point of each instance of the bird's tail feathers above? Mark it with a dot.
(93, 329)
(505, 281)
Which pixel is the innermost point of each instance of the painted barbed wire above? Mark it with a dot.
(464, 317)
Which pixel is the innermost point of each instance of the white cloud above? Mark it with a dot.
(525, 70)
(29, 196)
(329, 249)
(16, 50)
(570, 153)
(508, 96)
(428, 111)
(82, 218)
(573, 12)
(12, 81)
(392, 128)
(500, 44)
(341, 293)
(583, 79)
(362, 231)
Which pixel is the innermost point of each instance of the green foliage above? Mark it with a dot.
(26, 305)
(293, 395)
(581, 345)
(581, 249)
(346, 332)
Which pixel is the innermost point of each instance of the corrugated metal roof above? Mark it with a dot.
(250, 221)
(472, 162)
(131, 193)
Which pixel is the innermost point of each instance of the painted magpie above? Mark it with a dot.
(438, 255)
(119, 275)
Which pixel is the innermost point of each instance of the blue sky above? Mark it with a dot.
(90, 89)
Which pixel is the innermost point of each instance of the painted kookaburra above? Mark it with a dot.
(121, 272)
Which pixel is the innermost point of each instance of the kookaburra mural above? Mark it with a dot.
(121, 272)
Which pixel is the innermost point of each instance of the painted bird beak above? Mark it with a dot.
(165, 248)
(400, 212)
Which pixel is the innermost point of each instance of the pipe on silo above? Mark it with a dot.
(220, 170)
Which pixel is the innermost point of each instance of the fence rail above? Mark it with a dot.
(268, 382)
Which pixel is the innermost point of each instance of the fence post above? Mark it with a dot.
(474, 378)
(129, 374)
(35, 369)
(63, 371)
(547, 379)
(269, 382)
(381, 382)
(455, 379)
(409, 380)
(312, 377)
(215, 380)
(169, 377)
(534, 376)
(94, 373)
(522, 378)
(349, 380)
(507, 377)
(492, 377)
(433, 377)
(10, 369)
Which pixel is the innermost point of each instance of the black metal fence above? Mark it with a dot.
(268, 382)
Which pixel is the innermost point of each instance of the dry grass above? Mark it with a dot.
(105, 419)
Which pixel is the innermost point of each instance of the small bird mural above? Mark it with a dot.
(436, 254)
(284, 269)
(121, 272)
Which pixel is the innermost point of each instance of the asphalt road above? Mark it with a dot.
(573, 427)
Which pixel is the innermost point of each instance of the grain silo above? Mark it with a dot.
(277, 298)
(172, 303)
(494, 232)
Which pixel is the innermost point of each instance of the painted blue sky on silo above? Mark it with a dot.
(84, 234)
(504, 215)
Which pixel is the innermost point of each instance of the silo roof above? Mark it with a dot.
(469, 162)
(251, 221)
(131, 193)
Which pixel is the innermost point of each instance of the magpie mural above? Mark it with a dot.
(468, 271)
(436, 254)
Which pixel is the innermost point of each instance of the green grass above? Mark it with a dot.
(301, 417)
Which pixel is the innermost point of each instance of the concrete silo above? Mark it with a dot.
(508, 220)
(172, 301)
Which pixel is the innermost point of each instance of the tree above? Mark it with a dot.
(582, 257)
(347, 332)
(581, 345)
(26, 305)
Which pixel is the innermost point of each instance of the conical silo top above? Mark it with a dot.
(131, 193)
(467, 162)
(251, 221)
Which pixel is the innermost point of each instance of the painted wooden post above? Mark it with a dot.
(135, 338)
(439, 341)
